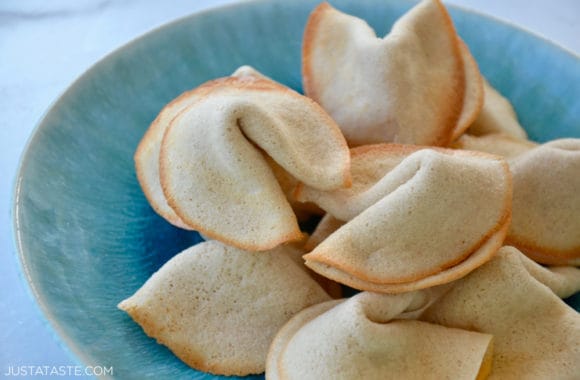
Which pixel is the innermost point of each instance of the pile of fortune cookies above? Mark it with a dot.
(454, 235)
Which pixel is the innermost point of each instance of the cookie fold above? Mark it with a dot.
(214, 172)
(417, 217)
(546, 204)
(536, 335)
(147, 154)
(373, 336)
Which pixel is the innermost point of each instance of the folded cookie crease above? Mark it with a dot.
(147, 154)
(214, 159)
(429, 219)
(370, 165)
(536, 334)
(375, 336)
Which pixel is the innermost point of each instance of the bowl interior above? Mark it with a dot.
(86, 235)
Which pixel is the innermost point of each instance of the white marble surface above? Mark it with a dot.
(45, 45)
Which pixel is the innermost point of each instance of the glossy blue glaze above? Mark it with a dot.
(86, 235)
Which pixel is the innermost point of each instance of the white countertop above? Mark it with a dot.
(45, 45)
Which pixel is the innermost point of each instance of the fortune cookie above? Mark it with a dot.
(213, 170)
(147, 153)
(546, 204)
(417, 85)
(218, 307)
(473, 96)
(371, 336)
(147, 158)
(536, 335)
(497, 116)
(431, 219)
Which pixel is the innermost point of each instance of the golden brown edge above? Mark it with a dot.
(448, 126)
(446, 135)
(325, 258)
(544, 255)
(307, 45)
(399, 149)
(250, 84)
(281, 339)
(470, 66)
(495, 243)
(149, 139)
(184, 353)
(203, 91)
(265, 84)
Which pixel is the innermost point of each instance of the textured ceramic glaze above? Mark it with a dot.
(87, 236)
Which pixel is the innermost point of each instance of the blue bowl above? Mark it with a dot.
(86, 234)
